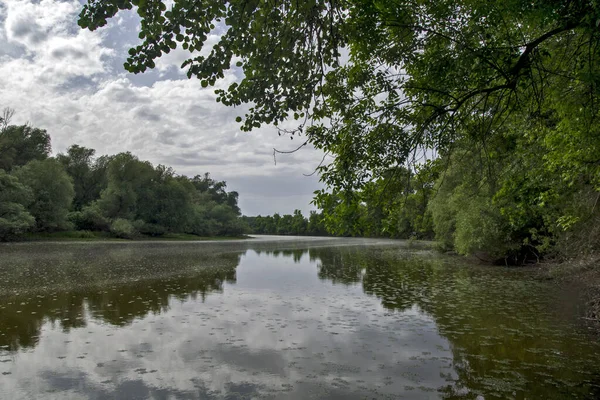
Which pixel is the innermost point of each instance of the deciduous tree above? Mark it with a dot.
(52, 192)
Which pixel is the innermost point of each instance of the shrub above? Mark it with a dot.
(90, 219)
(149, 229)
(84, 235)
(15, 221)
(578, 230)
(122, 228)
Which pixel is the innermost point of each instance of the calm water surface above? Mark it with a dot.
(287, 319)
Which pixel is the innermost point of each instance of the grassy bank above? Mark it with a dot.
(106, 236)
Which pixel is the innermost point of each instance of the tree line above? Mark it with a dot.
(288, 224)
(119, 195)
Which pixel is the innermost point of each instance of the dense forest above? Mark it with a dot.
(472, 122)
(116, 196)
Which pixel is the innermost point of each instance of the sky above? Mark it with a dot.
(71, 82)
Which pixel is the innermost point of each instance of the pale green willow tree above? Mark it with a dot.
(14, 197)
(52, 193)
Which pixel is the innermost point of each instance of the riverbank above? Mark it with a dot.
(89, 236)
(582, 273)
(585, 272)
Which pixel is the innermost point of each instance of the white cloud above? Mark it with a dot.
(54, 48)
(70, 82)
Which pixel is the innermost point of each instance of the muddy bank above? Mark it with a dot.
(575, 277)
(584, 272)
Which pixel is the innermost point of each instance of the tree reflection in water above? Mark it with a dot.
(460, 331)
(67, 285)
(501, 324)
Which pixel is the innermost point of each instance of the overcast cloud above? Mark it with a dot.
(71, 82)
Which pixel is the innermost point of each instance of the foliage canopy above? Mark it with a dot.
(512, 86)
(417, 73)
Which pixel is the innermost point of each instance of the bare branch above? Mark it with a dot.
(287, 152)
(318, 166)
(5, 118)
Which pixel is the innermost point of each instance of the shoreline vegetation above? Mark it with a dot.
(79, 196)
(89, 236)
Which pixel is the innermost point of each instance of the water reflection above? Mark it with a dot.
(503, 327)
(67, 285)
(216, 321)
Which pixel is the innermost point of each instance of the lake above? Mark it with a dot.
(284, 318)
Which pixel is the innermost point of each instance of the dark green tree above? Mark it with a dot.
(298, 223)
(316, 226)
(22, 144)
(79, 164)
(165, 204)
(127, 177)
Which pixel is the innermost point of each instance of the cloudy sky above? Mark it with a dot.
(72, 83)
